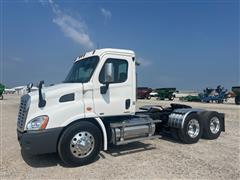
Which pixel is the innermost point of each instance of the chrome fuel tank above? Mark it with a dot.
(136, 127)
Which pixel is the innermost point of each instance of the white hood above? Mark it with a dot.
(56, 91)
(53, 107)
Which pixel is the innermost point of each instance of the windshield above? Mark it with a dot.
(82, 70)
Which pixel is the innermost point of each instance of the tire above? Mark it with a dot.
(220, 101)
(1, 97)
(237, 100)
(171, 98)
(211, 118)
(75, 132)
(184, 133)
(148, 97)
(174, 133)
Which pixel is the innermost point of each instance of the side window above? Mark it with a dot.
(120, 70)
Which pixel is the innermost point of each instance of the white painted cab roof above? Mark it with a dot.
(99, 52)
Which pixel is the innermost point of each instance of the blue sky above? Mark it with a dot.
(183, 44)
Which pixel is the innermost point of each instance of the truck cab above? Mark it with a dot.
(96, 106)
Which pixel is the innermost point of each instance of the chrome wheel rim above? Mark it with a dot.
(193, 128)
(82, 144)
(214, 125)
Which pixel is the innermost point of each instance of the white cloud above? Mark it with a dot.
(106, 13)
(73, 28)
(144, 62)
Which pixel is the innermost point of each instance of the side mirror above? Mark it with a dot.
(42, 101)
(108, 72)
(108, 77)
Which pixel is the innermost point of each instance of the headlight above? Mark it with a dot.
(38, 123)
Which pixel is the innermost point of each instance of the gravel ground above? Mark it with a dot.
(153, 159)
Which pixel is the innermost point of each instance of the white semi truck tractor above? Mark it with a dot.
(96, 106)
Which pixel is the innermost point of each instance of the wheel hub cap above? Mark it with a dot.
(214, 125)
(193, 128)
(82, 144)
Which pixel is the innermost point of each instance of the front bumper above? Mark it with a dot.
(39, 142)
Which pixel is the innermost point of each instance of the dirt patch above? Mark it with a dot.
(152, 159)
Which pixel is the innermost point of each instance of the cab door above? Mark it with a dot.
(115, 96)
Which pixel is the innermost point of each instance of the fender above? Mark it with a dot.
(99, 122)
(178, 116)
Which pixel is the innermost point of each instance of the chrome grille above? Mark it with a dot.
(22, 114)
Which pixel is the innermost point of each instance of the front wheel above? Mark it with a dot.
(192, 129)
(80, 144)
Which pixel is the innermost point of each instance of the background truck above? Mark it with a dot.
(166, 93)
(143, 93)
(96, 106)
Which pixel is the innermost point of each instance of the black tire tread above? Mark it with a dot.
(63, 150)
(182, 134)
(206, 116)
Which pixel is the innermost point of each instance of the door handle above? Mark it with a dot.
(127, 103)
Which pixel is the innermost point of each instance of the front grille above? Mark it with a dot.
(23, 111)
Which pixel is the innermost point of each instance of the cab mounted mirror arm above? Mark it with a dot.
(104, 88)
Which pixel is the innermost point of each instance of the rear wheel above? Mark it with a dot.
(80, 144)
(212, 126)
(192, 129)
(174, 133)
(1, 97)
